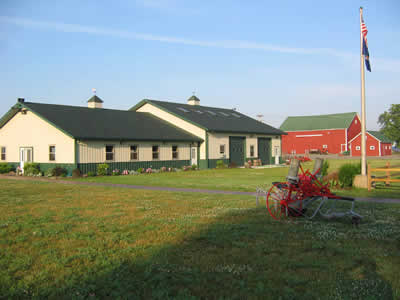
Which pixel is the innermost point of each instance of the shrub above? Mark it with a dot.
(220, 164)
(116, 172)
(186, 168)
(125, 172)
(347, 173)
(59, 171)
(5, 168)
(140, 170)
(163, 169)
(324, 169)
(102, 169)
(31, 169)
(48, 173)
(346, 153)
(148, 171)
(194, 167)
(91, 174)
(76, 173)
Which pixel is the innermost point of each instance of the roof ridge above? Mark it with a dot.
(80, 107)
(190, 106)
(324, 115)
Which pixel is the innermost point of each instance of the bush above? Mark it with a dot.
(346, 153)
(194, 167)
(102, 169)
(91, 174)
(76, 173)
(347, 173)
(220, 164)
(324, 169)
(31, 169)
(140, 170)
(5, 168)
(116, 172)
(59, 171)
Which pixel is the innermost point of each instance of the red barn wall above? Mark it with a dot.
(386, 149)
(303, 141)
(371, 141)
(354, 128)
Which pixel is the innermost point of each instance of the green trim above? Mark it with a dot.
(198, 155)
(9, 115)
(206, 145)
(44, 119)
(148, 101)
(245, 150)
(203, 164)
(134, 165)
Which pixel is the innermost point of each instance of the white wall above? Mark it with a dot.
(94, 151)
(29, 130)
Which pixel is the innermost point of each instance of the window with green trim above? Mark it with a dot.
(3, 153)
(222, 149)
(174, 152)
(134, 152)
(109, 152)
(156, 152)
(52, 153)
(251, 150)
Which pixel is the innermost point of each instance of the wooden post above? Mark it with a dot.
(369, 178)
(387, 174)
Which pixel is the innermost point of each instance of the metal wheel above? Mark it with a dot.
(284, 201)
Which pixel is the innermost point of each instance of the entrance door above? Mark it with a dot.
(193, 156)
(25, 155)
(264, 150)
(236, 150)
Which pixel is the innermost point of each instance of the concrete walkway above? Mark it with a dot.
(160, 188)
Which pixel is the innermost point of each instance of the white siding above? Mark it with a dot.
(29, 130)
(94, 151)
(193, 129)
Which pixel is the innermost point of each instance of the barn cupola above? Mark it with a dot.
(95, 102)
(193, 100)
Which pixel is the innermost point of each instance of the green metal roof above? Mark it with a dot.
(318, 122)
(213, 119)
(104, 124)
(380, 136)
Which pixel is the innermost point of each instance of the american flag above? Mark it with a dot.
(365, 51)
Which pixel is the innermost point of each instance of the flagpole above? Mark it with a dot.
(363, 127)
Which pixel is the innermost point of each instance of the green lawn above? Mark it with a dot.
(78, 242)
(243, 179)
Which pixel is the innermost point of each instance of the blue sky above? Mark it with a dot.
(275, 58)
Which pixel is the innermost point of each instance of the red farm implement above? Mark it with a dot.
(304, 195)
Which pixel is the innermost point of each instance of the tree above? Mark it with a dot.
(390, 123)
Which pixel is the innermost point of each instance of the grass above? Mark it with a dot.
(80, 242)
(243, 179)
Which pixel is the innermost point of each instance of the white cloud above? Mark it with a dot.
(391, 65)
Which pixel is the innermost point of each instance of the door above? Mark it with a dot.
(264, 150)
(25, 155)
(193, 156)
(236, 150)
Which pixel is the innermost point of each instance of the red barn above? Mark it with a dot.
(377, 144)
(330, 133)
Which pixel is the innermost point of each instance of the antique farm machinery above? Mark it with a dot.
(305, 195)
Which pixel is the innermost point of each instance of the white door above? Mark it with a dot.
(26, 155)
(193, 155)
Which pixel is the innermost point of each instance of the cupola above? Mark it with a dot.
(193, 100)
(95, 102)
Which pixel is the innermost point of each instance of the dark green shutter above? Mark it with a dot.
(264, 150)
(236, 150)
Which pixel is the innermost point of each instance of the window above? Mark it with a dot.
(211, 112)
(371, 147)
(183, 109)
(134, 152)
(251, 150)
(223, 113)
(236, 115)
(222, 149)
(156, 152)
(52, 152)
(174, 152)
(109, 152)
(3, 153)
(358, 148)
(324, 146)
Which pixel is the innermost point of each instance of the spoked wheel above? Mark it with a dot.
(283, 201)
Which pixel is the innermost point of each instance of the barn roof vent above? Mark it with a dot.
(193, 100)
(95, 102)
